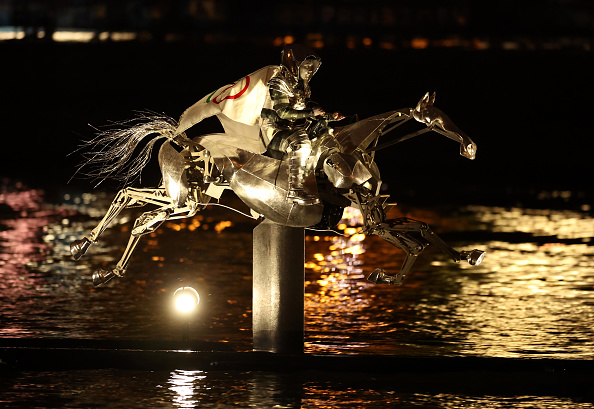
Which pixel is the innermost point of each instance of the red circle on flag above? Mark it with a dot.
(240, 93)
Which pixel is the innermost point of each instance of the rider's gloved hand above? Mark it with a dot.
(335, 116)
(317, 111)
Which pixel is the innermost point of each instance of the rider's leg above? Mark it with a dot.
(299, 149)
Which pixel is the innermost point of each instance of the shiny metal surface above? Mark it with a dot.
(344, 171)
(173, 169)
(262, 183)
(361, 134)
(434, 118)
(294, 55)
(101, 277)
(278, 288)
(79, 247)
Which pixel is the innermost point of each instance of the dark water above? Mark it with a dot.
(191, 389)
(532, 297)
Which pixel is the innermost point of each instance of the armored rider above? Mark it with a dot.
(289, 116)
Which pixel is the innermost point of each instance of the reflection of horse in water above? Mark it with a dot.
(341, 172)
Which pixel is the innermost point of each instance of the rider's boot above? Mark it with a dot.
(299, 151)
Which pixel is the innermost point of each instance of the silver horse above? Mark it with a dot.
(341, 171)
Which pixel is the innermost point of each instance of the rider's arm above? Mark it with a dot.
(283, 109)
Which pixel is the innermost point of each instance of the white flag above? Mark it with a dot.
(238, 106)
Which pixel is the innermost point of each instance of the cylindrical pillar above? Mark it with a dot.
(278, 288)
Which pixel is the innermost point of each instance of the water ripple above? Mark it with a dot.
(530, 298)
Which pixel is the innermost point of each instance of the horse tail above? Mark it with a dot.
(110, 154)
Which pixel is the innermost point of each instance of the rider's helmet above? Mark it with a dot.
(300, 62)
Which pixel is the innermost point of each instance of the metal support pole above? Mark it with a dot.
(278, 288)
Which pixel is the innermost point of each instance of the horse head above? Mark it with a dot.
(436, 120)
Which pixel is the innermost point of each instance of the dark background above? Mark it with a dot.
(516, 77)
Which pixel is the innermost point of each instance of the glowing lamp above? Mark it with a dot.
(186, 299)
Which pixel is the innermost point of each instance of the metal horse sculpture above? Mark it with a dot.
(340, 171)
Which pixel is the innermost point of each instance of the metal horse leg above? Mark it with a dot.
(401, 239)
(79, 247)
(413, 237)
(474, 257)
(125, 198)
(148, 222)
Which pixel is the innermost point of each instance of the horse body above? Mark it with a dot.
(341, 171)
(261, 182)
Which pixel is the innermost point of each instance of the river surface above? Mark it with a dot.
(532, 297)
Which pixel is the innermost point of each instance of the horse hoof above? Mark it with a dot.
(102, 276)
(474, 257)
(379, 276)
(79, 247)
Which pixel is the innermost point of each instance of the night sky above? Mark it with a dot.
(524, 97)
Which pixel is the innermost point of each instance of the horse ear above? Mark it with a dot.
(431, 100)
(425, 99)
(423, 102)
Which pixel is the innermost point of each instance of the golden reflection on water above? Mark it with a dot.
(526, 299)
(562, 224)
(532, 296)
(334, 280)
(529, 298)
